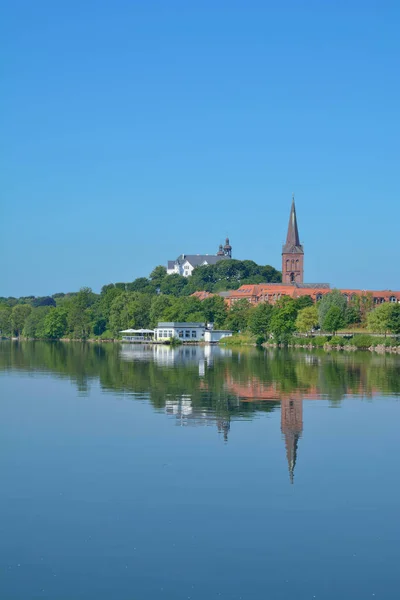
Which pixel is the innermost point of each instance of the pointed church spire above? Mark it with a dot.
(292, 238)
(292, 252)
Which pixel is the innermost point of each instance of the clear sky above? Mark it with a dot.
(134, 131)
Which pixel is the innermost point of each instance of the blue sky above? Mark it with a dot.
(134, 131)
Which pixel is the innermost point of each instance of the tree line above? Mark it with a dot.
(140, 303)
(161, 297)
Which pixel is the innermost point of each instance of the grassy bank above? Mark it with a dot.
(239, 339)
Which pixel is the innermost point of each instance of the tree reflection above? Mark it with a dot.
(200, 385)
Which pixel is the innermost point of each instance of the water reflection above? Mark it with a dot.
(204, 385)
(167, 356)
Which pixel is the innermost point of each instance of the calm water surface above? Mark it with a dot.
(135, 473)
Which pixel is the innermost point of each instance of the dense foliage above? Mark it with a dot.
(163, 297)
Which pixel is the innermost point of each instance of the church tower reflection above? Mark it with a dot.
(292, 428)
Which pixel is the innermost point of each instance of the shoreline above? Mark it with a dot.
(379, 349)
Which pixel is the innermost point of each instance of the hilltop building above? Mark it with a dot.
(185, 263)
(292, 277)
(292, 252)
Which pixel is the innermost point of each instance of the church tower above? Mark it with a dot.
(292, 252)
(228, 248)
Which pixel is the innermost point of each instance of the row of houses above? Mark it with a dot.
(272, 292)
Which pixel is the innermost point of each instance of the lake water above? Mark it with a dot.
(134, 473)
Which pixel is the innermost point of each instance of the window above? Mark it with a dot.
(170, 333)
(319, 297)
(194, 333)
(180, 333)
(187, 333)
(393, 299)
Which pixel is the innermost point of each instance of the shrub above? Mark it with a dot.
(260, 340)
(377, 341)
(336, 340)
(320, 341)
(363, 341)
(107, 335)
(391, 342)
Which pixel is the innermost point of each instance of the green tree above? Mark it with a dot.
(260, 319)
(159, 305)
(215, 310)
(43, 301)
(394, 321)
(352, 313)
(307, 319)
(79, 315)
(158, 274)
(333, 319)
(365, 304)
(19, 315)
(130, 309)
(378, 320)
(108, 295)
(35, 322)
(334, 298)
(188, 308)
(5, 320)
(141, 284)
(174, 284)
(304, 302)
(55, 323)
(283, 318)
(239, 315)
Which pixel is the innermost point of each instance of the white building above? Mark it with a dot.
(185, 263)
(186, 332)
(189, 332)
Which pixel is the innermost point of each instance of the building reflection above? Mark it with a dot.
(167, 356)
(208, 385)
(226, 391)
(291, 406)
(253, 390)
(292, 429)
(188, 415)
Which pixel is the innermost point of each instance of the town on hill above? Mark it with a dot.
(234, 295)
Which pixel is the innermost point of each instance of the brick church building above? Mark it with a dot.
(293, 277)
